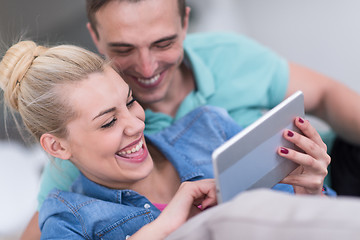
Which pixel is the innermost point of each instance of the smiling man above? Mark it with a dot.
(144, 39)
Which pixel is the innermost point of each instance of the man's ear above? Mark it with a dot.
(55, 146)
(186, 18)
(95, 38)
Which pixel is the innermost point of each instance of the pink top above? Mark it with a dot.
(160, 206)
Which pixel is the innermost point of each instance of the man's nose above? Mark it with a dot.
(147, 64)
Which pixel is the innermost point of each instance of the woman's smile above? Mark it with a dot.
(135, 153)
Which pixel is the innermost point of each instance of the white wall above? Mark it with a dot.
(19, 184)
(320, 34)
(222, 15)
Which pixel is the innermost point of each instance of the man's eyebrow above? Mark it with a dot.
(105, 112)
(172, 37)
(119, 44)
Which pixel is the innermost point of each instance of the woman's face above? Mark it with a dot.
(106, 138)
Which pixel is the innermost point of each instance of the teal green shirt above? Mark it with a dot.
(231, 71)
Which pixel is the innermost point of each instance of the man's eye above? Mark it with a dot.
(165, 44)
(129, 104)
(124, 51)
(109, 124)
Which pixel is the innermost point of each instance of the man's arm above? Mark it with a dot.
(328, 100)
(32, 231)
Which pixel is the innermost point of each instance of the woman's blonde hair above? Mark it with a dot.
(32, 77)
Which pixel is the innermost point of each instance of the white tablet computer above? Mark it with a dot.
(249, 159)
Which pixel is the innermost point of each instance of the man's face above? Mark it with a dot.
(144, 41)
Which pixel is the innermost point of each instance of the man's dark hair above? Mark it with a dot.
(92, 6)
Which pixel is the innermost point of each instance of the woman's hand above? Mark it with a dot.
(309, 177)
(190, 199)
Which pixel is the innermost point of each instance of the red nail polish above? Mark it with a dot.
(290, 133)
(301, 120)
(284, 150)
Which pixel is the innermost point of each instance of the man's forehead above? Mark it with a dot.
(117, 24)
(127, 11)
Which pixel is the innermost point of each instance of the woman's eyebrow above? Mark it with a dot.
(110, 109)
(105, 112)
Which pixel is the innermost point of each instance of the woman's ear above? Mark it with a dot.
(55, 146)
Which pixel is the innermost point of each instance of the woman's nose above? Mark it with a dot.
(134, 124)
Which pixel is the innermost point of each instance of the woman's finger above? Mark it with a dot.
(307, 145)
(303, 159)
(308, 184)
(309, 131)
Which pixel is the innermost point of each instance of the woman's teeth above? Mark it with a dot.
(149, 81)
(133, 150)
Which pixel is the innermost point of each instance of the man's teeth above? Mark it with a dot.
(149, 81)
(134, 149)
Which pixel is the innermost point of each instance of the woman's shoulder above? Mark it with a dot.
(58, 202)
(75, 213)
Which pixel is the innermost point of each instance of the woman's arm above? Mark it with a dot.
(190, 199)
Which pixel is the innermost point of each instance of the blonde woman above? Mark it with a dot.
(79, 108)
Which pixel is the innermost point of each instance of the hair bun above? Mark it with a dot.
(14, 66)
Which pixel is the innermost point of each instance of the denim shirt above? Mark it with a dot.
(91, 211)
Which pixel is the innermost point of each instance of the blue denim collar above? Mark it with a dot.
(89, 188)
(179, 158)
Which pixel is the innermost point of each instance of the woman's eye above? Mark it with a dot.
(129, 104)
(109, 124)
